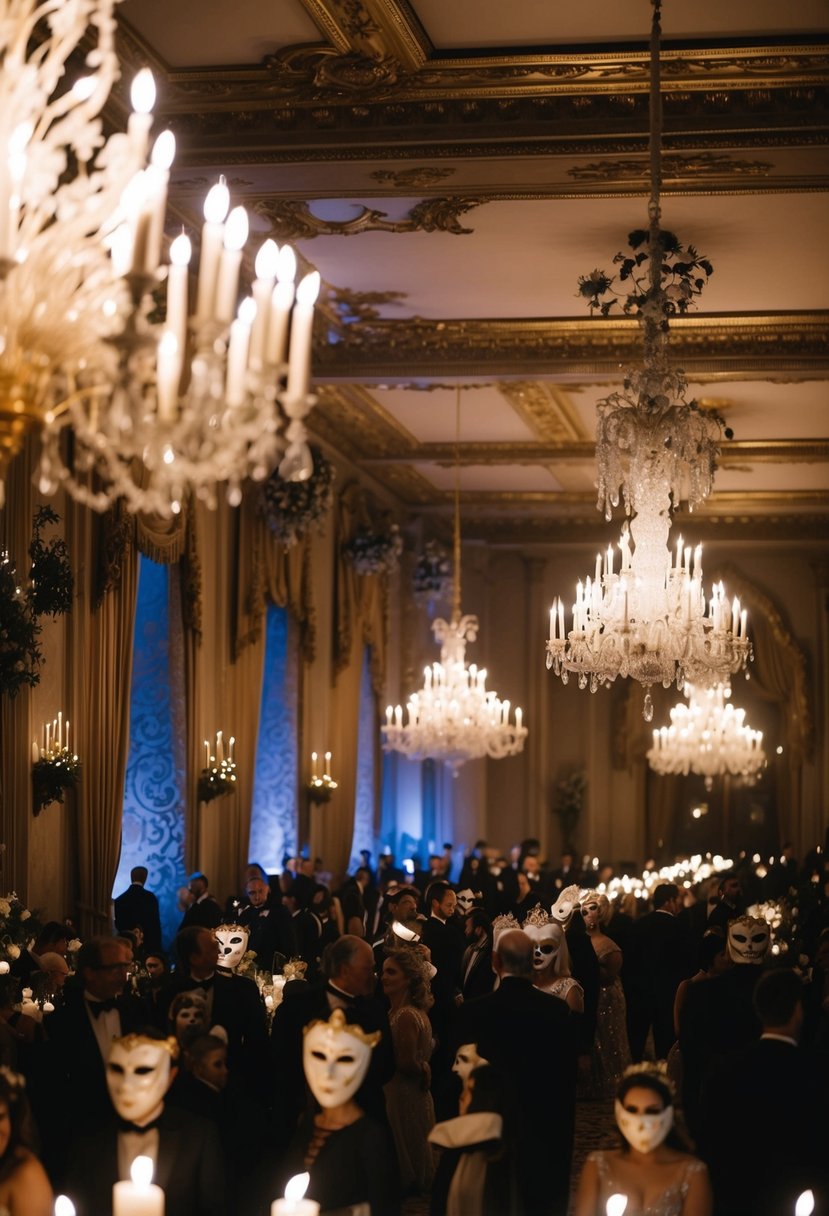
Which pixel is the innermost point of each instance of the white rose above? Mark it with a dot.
(25, 914)
(13, 951)
(5, 907)
(73, 946)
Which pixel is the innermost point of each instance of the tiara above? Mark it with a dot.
(232, 929)
(339, 1025)
(130, 1041)
(537, 918)
(658, 1069)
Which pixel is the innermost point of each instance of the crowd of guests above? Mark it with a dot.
(418, 1036)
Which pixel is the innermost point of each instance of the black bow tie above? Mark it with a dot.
(96, 1008)
(345, 997)
(205, 985)
(124, 1125)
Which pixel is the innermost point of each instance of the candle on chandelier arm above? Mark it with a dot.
(687, 559)
(735, 615)
(220, 747)
(157, 180)
(60, 729)
(168, 374)
(610, 560)
(519, 717)
(237, 353)
(598, 577)
(561, 619)
(679, 553)
(552, 634)
(140, 1196)
(388, 715)
(398, 715)
(743, 622)
(227, 281)
(314, 766)
(326, 776)
(212, 234)
(35, 751)
(276, 345)
(698, 562)
(267, 260)
(177, 285)
(302, 326)
(232, 742)
(206, 754)
(142, 98)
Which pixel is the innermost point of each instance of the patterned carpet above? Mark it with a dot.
(595, 1129)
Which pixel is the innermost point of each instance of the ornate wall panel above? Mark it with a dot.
(273, 827)
(364, 794)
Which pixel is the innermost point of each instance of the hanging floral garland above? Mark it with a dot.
(374, 552)
(292, 508)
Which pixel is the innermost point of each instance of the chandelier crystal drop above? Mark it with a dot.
(708, 736)
(652, 620)
(131, 407)
(454, 717)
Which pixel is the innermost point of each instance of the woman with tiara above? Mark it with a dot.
(611, 1053)
(650, 1170)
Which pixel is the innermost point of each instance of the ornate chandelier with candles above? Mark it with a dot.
(651, 619)
(708, 736)
(454, 717)
(131, 407)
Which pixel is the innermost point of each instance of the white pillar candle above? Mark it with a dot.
(227, 283)
(276, 344)
(295, 1203)
(67, 734)
(327, 773)
(140, 1196)
(206, 754)
(519, 717)
(177, 288)
(35, 751)
(302, 324)
(212, 234)
(167, 376)
(157, 179)
(237, 353)
(220, 747)
(552, 623)
(142, 97)
(561, 619)
(267, 260)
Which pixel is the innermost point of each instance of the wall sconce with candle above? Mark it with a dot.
(55, 767)
(320, 788)
(218, 777)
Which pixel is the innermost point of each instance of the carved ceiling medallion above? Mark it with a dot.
(292, 220)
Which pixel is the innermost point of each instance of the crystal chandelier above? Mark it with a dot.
(708, 736)
(454, 717)
(131, 407)
(651, 620)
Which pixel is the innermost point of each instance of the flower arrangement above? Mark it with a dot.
(432, 577)
(568, 803)
(49, 591)
(217, 781)
(684, 275)
(247, 964)
(52, 774)
(19, 927)
(292, 508)
(373, 552)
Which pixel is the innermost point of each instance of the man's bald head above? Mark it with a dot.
(514, 954)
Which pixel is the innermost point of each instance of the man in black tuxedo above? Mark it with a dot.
(137, 908)
(443, 936)
(730, 903)
(184, 1148)
(477, 976)
(233, 1001)
(771, 1096)
(269, 924)
(527, 1035)
(655, 964)
(349, 984)
(68, 1084)
(205, 910)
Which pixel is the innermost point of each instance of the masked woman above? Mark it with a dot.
(650, 1169)
(611, 1053)
(405, 980)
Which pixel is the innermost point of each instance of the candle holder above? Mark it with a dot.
(52, 773)
(218, 777)
(320, 788)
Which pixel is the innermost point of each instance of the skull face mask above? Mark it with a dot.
(139, 1072)
(644, 1132)
(468, 899)
(466, 1060)
(233, 942)
(567, 902)
(336, 1056)
(748, 940)
(546, 936)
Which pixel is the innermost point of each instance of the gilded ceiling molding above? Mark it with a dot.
(292, 220)
(546, 409)
(375, 29)
(698, 164)
(754, 345)
(350, 419)
(353, 306)
(417, 178)
(734, 454)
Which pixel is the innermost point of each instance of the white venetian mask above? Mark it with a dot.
(562, 910)
(644, 1132)
(546, 940)
(466, 1060)
(467, 900)
(138, 1075)
(233, 942)
(336, 1056)
(748, 940)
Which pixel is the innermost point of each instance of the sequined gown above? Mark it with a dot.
(669, 1203)
(409, 1106)
(611, 1053)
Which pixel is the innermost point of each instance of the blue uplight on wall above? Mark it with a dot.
(152, 829)
(273, 825)
(364, 794)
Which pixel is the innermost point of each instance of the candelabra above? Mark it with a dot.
(708, 736)
(218, 776)
(55, 767)
(155, 410)
(651, 621)
(454, 717)
(320, 788)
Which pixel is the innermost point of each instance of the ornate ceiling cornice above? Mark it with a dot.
(734, 454)
(769, 344)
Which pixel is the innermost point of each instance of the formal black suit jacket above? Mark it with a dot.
(477, 976)
(529, 1036)
(271, 930)
(446, 945)
(238, 1007)
(206, 913)
(136, 906)
(765, 1105)
(655, 964)
(189, 1168)
(307, 1004)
